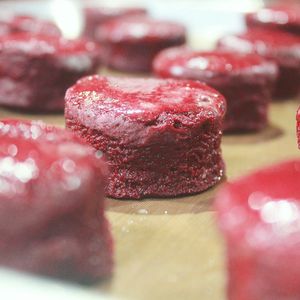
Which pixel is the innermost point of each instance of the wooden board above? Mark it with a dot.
(171, 248)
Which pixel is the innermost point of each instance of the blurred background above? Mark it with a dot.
(205, 19)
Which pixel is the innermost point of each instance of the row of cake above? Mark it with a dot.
(45, 64)
(160, 137)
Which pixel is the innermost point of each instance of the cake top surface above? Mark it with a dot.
(140, 29)
(107, 11)
(38, 44)
(26, 23)
(144, 99)
(25, 140)
(262, 39)
(281, 46)
(138, 111)
(278, 14)
(179, 61)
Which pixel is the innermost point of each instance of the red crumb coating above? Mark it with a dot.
(95, 16)
(52, 203)
(131, 43)
(246, 81)
(23, 23)
(282, 17)
(36, 70)
(161, 137)
(259, 216)
(281, 47)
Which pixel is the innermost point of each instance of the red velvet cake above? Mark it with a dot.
(259, 216)
(95, 16)
(281, 47)
(161, 137)
(246, 81)
(282, 17)
(36, 70)
(23, 23)
(51, 203)
(131, 43)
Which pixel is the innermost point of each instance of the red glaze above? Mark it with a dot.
(281, 47)
(23, 23)
(259, 216)
(283, 17)
(52, 205)
(36, 70)
(132, 43)
(95, 16)
(245, 80)
(140, 123)
(298, 126)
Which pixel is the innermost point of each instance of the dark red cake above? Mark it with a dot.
(259, 216)
(23, 23)
(246, 81)
(36, 70)
(131, 43)
(51, 203)
(161, 137)
(280, 17)
(281, 47)
(95, 16)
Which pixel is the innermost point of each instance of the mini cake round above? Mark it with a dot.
(130, 44)
(51, 203)
(95, 16)
(259, 216)
(245, 80)
(282, 17)
(161, 137)
(23, 23)
(36, 70)
(281, 47)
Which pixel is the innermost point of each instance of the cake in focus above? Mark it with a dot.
(161, 137)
